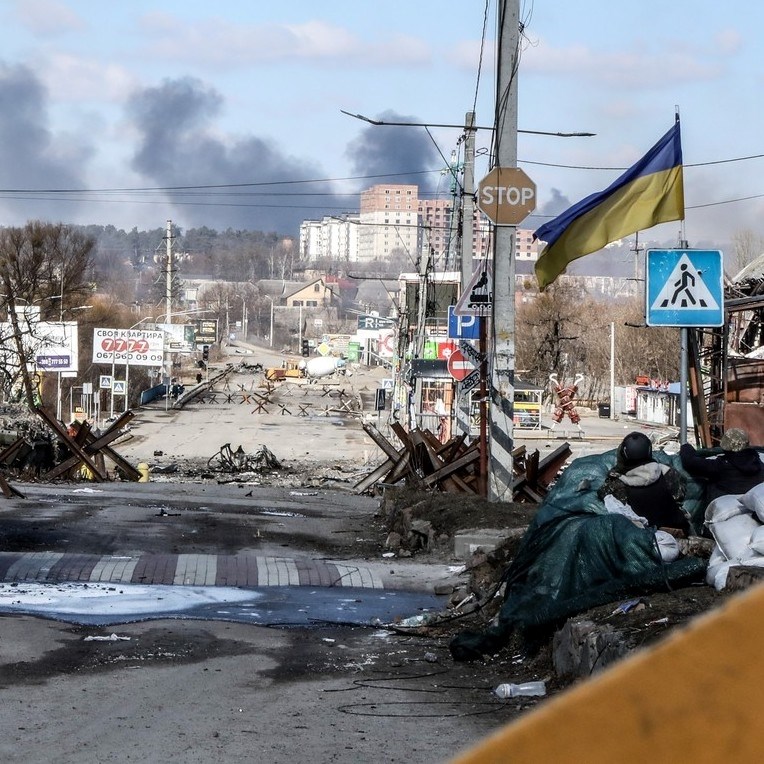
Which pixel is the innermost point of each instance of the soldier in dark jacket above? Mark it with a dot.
(735, 471)
(654, 491)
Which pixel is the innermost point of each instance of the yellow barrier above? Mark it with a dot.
(697, 696)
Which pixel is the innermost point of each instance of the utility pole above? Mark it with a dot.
(425, 268)
(168, 241)
(502, 391)
(467, 244)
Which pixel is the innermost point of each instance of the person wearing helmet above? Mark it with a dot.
(652, 490)
(735, 471)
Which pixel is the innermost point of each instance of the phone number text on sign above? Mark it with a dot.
(123, 346)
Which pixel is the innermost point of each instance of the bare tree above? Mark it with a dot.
(748, 246)
(566, 332)
(39, 263)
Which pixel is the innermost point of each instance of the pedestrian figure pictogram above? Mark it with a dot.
(685, 284)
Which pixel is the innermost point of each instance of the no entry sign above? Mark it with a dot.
(459, 366)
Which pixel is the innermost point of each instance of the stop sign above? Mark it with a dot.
(506, 195)
(459, 366)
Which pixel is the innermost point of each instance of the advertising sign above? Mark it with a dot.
(137, 347)
(48, 346)
(179, 338)
(206, 331)
(370, 326)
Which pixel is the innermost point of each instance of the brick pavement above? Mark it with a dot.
(184, 570)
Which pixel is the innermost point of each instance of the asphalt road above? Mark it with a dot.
(176, 690)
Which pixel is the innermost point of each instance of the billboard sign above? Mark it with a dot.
(206, 331)
(48, 346)
(137, 347)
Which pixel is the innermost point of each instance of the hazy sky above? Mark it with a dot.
(98, 97)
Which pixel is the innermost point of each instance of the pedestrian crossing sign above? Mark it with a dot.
(684, 287)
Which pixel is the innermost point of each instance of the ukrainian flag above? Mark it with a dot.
(650, 192)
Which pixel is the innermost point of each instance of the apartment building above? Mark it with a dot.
(389, 222)
(334, 238)
(392, 218)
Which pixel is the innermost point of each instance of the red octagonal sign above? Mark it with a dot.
(459, 366)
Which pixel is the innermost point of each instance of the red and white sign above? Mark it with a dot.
(459, 366)
(445, 350)
(386, 345)
(134, 346)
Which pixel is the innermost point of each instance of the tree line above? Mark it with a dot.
(60, 268)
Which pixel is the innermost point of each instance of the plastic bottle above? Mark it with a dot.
(511, 690)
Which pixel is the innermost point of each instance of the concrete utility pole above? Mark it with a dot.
(168, 241)
(502, 391)
(467, 238)
(468, 198)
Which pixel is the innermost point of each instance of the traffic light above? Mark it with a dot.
(205, 352)
(305, 348)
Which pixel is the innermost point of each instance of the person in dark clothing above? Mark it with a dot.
(654, 491)
(735, 471)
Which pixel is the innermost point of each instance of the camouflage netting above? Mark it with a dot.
(575, 556)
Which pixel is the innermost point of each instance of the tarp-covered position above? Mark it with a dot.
(575, 556)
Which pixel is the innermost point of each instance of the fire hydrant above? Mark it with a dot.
(143, 468)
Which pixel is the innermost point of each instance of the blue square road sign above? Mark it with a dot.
(684, 287)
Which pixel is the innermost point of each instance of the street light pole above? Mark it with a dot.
(127, 362)
(270, 335)
(61, 321)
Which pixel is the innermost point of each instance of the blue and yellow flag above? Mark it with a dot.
(650, 192)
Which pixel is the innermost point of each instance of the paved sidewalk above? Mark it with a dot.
(184, 570)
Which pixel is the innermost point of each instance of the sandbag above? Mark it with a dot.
(733, 535)
(757, 540)
(754, 501)
(724, 507)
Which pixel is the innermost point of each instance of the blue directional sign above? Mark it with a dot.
(462, 327)
(684, 287)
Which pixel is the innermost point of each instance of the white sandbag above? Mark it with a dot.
(724, 507)
(668, 546)
(617, 507)
(754, 501)
(718, 567)
(756, 544)
(734, 535)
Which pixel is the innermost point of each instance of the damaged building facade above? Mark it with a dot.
(727, 363)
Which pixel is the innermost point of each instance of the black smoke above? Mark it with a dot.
(396, 154)
(178, 148)
(550, 209)
(31, 157)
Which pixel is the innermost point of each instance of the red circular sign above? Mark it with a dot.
(459, 366)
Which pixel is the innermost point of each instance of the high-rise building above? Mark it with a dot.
(389, 222)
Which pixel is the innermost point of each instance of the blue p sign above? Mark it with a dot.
(462, 327)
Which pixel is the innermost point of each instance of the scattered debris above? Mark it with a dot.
(228, 460)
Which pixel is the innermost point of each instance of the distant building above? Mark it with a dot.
(389, 222)
(393, 218)
(331, 238)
